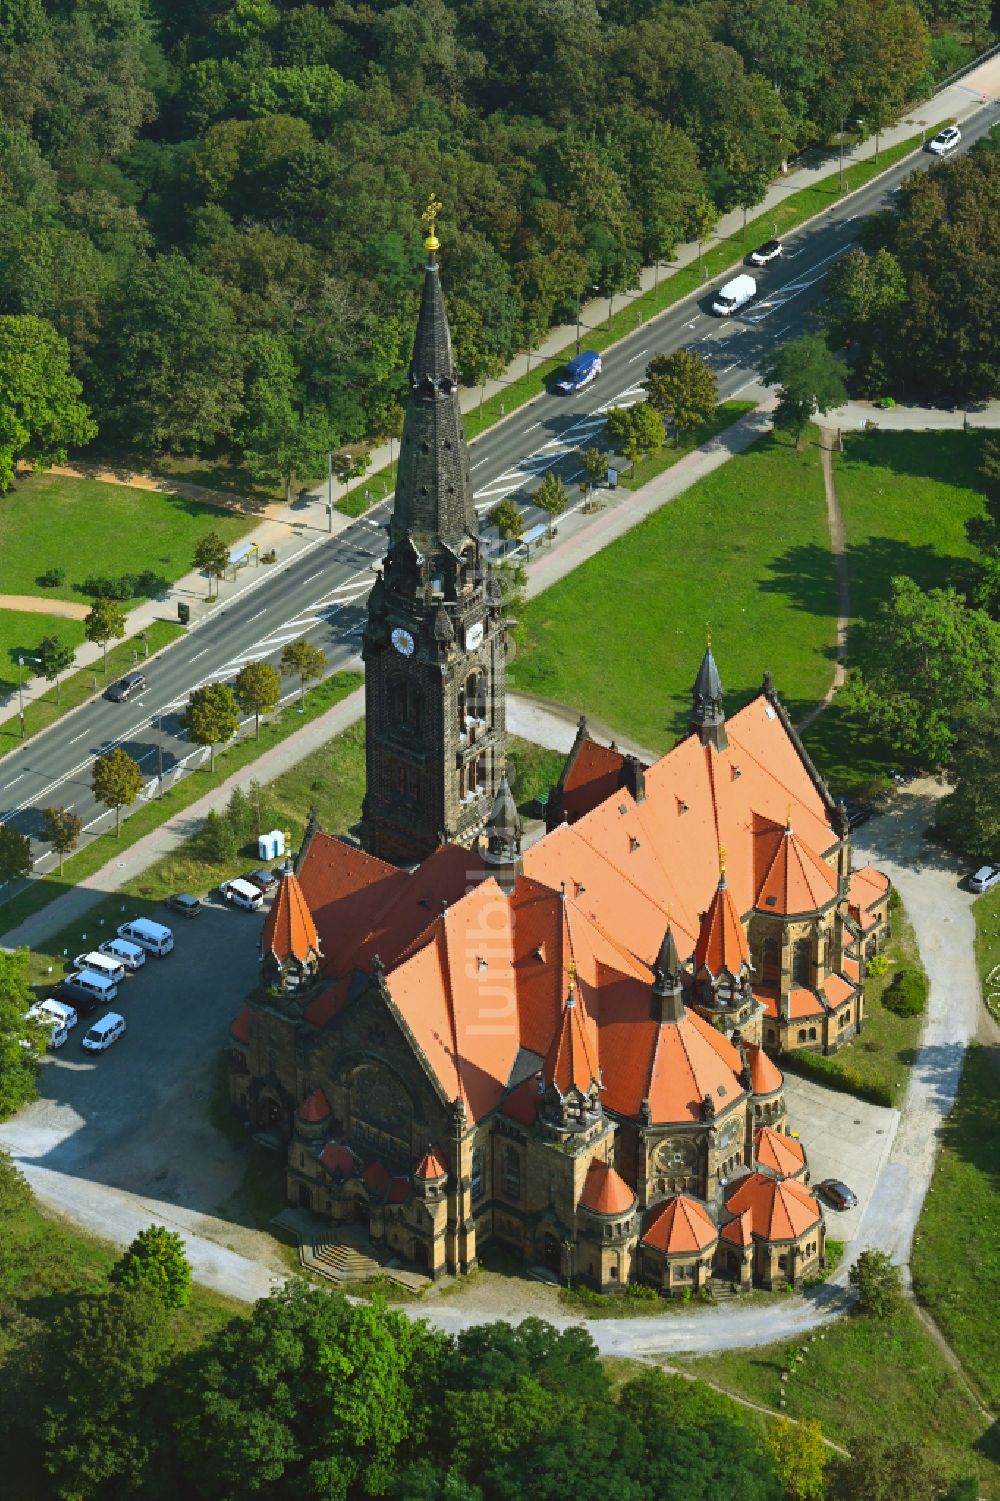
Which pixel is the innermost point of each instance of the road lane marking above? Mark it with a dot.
(640, 354)
(201, 654)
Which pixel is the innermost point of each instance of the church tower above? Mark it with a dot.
(434, 644)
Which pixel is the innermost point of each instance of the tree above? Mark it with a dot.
(682, 387)
(929, 661)
(41, 413)
(876, 1280)
(212, 716)
(117, 782)
(506, 517)
(551, 496)
(211, 555)
(15, 854)
(971, 814)
(883, 1468)
(258, 689)
(800, 1457)
(18, 1064)
(595, 466)
(61, 829)
(106, 622)
(809, 379)
(54, 658)
(156, 1259)
(702, 217)
(636, 430)
(306, 662)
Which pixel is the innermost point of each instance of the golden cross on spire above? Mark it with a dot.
(722, 863)
(708, 636)
(788, 816)
(572, 975)
(430, 216)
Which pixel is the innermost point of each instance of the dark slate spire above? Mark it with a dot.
(433, 504)
(708, 721)
(503, 829)
(668, 995)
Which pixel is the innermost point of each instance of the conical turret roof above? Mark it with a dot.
(289, 929)
(722, 944)
(571, 1062)
(708, 683)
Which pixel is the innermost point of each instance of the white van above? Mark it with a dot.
(104, 1032)
(102, 964)
(55, 1011)
(129, 954)
(151, 936)
(101, 986)
(242, 894)
(734, 295)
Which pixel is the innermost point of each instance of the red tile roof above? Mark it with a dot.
(838, 990)
(802, 1003)
(780, 1208)
(571, 1062)
(431, 1166)
(289, 930)
(765, 1077)
(324, 1006)
(866, 887)
(400, 1191)
(315, 1108)
(605, 1190)
(595, 773)
(739, 1232)
(376, 1175)
(338, 1159)
(239, 1027)
(680, 1227)
(791, 878)
(722, 943)
(522, 1103)
(782, 1154)
(852, 969)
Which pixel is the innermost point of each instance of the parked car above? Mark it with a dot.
(766, 253)
(129, 954)
(242, 894)
(151, 936)
(946, 140)
(71, 994)
(184, 903)
(264, 880)
(53, 1016)
(106, 1030)
(126, 687)
(857, 814)
(837, 1194)
(985, 878)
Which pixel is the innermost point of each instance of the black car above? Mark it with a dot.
(857, 814)
(126, 687)
(838, 1194)
(187, 906)
(82, 1001)
(264, 880)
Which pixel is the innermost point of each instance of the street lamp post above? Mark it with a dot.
(20, 695)
(159, 755)
(329, 492)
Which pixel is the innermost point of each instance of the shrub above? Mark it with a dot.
(156, 1259)
(878, 965)
(907, 995)
(835, 1076)
(51, 578)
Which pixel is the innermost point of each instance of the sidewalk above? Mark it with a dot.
(903, 418)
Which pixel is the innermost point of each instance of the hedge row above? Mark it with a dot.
(835, 1076)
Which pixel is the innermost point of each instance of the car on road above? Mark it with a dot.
(733, 296)
(985, 878)
(766, 253)
(837, 1194)
(579, 372)
(264, 880)
(184, 903)
(106, 1030)
(946, 140)
(126, 687)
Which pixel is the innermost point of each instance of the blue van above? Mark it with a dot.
(579, 372)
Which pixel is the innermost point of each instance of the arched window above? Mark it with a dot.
(476, 1180)
(511, 1173)
(770, 959)
(802, 961)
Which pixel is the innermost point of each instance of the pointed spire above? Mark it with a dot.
(668, 990)
(571, 1062)
(503, 835)
(722, 944)
(708, 720)
(433, 503)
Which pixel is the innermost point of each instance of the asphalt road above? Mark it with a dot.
(321, 594)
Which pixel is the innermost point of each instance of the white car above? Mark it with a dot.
(766, 253)
(45, 1016)
(104, 1032)
(946, 140)
(985, 878)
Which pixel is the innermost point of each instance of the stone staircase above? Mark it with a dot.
(343, 1253)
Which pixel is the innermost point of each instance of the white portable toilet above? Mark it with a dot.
(271, 846)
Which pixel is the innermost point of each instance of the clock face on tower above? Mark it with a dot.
(403, 642)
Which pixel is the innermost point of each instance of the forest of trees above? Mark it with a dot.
(216, 205)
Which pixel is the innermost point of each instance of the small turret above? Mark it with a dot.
(668, 993)
(503, 835)
(708, 721)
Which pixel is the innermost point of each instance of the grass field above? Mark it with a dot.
(906, 499)
(622, 636)
(77, 687)
(88, 527)
(147, 816)
(20, 633)
(987, 913)
(908, 1389)
(956, 1249)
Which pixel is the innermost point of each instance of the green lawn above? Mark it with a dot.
(20, 633)
(906, 499)
(956, 1249)
(101, 848)
(88, 527)
(987, 913)
(743, 552)
(648, 468)
(908, 1389)
(77, 687)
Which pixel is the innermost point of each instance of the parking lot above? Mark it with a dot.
(844, 1138)
(137, 1118)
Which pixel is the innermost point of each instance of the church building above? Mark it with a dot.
(563, 1043)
